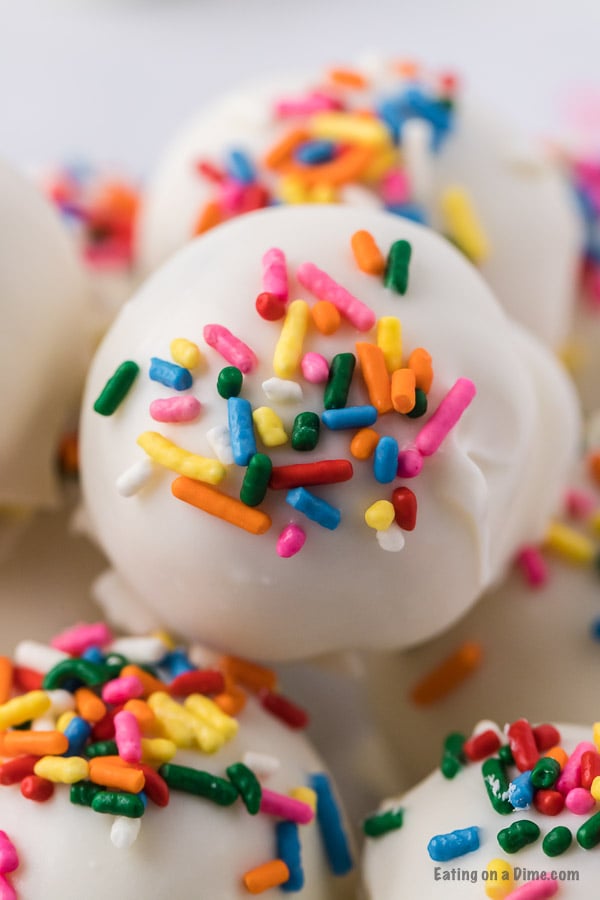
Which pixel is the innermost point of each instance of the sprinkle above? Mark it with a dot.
(367, 254)
(403, 390)
(116, 388)
(384, 822)
(462, 224)
(269, 307)
(410, 463)
(570, 776)
(231, 348)
(520, 791)
(256, 480)
(289, 850)
(389, 340)
(588, 835)
(169, 374)
(124, 832)
(275, 279)
(392, 540)
(280, 390)
(546, 736)
(339, 380)
(37, 656)
(119, 690)
(167, 454)
(545, 772)
(9, 858)
(243, 443)
(128, 737)
(22, 709)
(114, 773)
(250, 674)
(37, 789)
(269, 875)
(569, 544)
(175, 409)
(518, 835)
(453, 756)
(13, 771)
(304, 106)
(248, 786)
(557, 841)
(38, 743)
(315, 368)
(7, 892)
(314, 508)
(420, 407)
(533, 565)
(140, 649)
(397, 264)
(185, 353)
(385, 461)
(157, 750)
(500, 880)
(363, 443)
(395, 188)
(83, 793)
(207, 681)
(350, 128)
(325, 288)
(445, 416)
(305, 431)
(135, 478)
(497, 785)
(6, 678)
(444, 847)
(282, 708)
(405, 508)
(118, 804)
(448, 675)
(77, 733)
(324, 471)
(209, 216)
(375, 374)
(269, 427)
(208, 712)
(481, 745)
(330, 824)
(325, 317)
(62, 770)
(549, 802)
(229, 382)
(290, 541)
(349, 417)
(284, 807)
(288, 350)
(78, 639)
(538, 889)
(420, 362)
(590, 768)
(148, 682)
(581, 802)
(217, 504)
(522, 744)
(220, 443)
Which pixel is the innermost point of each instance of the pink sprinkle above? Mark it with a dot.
(231, 196)
(446, 416)
(290, 541)
(579, 801)
(9, 858)
(231, 348)
(175, 409)
(533, 565)
(7, 891)
(81, 637)
(591, 284)
(128, 736)
(325, 288)
(275, 279)
(305, 106)
(395, 187)
(579, 504)
(274, 804)
(539, 889)
(410, 463)
(122, 689)
(315, 368)
(570, 777)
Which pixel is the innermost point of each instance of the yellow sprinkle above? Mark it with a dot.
(165, 637)
(185, 353)
(23, 709)
(167, 454)
(305, 795)
(269, 426)
(595, 788)
(380, 515)
(350, 128)
(176, 723)
(322, 193)
(500, 881)
(389, 341)
(382, 162)
(64, 719)
(208, 711)
(462, 224)
(596, 734)
(594, 522)
(288, 350)
(291, 190)
(62, 769)
(158, 750)
(569, 544)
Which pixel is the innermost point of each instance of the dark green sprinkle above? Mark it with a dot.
(83, 792)
(396, 268)
(545, 772)
(248, 786)
(256, 480)
(557, 841)
(496, 785)
(450, 765)
(101, 748)
(118, 803)
(229, 382)
(506, 755)
(454, 744)
(89, 673)
(518, 835)
(380, 824)
(202, 784)
(339, 380)
(305, 431)
(116, 388)
(420, 407)
(588, 835)
(114, 662)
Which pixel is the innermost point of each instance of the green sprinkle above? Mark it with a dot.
(450, 766)
(545, 772)
(305, 431)
(256, 480)
(420, 407)
(116, 388)
(339, 380)
(557, 841)
(396, 268)
(518, 835)
(83, 792)
(118, 803)
(101, 748)
(248, 786)
(453, 756)
(588, 835)
(229, 382)
(89, 673)
(390, 820)
(505, 754)
(496, 785)
(202, 784)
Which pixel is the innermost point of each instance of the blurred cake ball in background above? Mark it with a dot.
(385, 134)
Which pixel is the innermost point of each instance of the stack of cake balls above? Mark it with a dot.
(315, 429)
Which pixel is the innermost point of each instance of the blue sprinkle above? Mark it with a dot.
(520, 791)
(143, 797)
(240, 167)
(332, 831)
(288, 849)
(385, 460)
(444, 847)
(349, 417)
(176, 663)
(241, 430)
(412, 211)
(311, 153)
(77, 733)
(169, 374)
(93, 654)
(314, 508)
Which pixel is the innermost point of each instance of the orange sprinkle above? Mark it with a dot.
(233, 699)
(408, 68)
(250, 674)
(348, 166)
(593, 462)
(367, 254)
(375, 374)
(325, 316)
(144, 715)
(68, 453)
(38, 743)
(89, 705)
(6, 678)
(363, 443)
(281, 152)
(403, 390)
(451, 673)
(149, 682)
(113, 772)
(269, 875)
(209, 216)
(348, 78)
(215, 503)
(557, 753)
(420, 362)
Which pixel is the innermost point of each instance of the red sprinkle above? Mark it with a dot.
(326, 471)
(549, 803)
(481, 745)
(254, 196)
(14, 770)
(405, 508)
(207, 681)
(104, 729)
(546, 736)
(210, 171)
(283, 709)
(36, 788)
(522, 744)
(27, 679)
(270, 307)
(155, 786)
(590, 768)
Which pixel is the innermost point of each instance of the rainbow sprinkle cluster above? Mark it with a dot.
(105, 717)
(394, 387)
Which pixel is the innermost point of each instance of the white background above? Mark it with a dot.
(108, 81)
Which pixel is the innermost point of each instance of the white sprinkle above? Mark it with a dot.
(392, 539)
(140, 649)
(124, 832)
(261, 764)
(220, 443)
(60, 701)
(43, 723)
(38, 656)
(137, 476)
(416, 152)
(278, 390)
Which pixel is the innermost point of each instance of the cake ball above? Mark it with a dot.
(43, 341)
(133, 767)
(252, 489)
(512, 813)
(398, 137)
